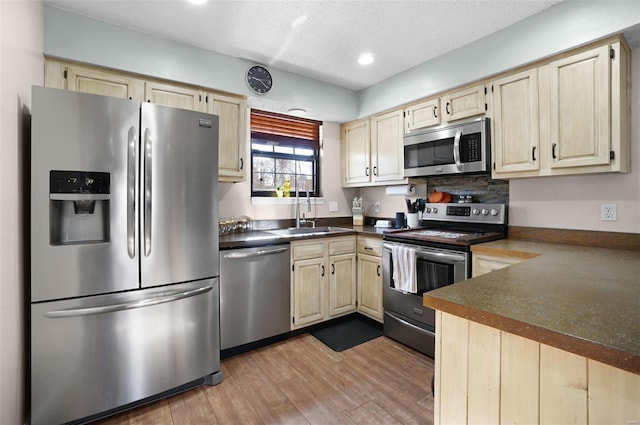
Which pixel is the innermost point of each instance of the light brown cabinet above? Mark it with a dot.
(569, 115)
(483, 264)
(369, 277)
(323, 282)
(232, 110)
(484, 375)
(372, 151)
(451, 106)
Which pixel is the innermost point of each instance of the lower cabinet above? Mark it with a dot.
(323, 279)
(484, 375)
(483, 264)
(370, 277)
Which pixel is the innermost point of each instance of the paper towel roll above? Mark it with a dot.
(405, 190)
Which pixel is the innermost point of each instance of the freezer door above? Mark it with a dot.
(82, 243)
(178, 195)
(95, 354)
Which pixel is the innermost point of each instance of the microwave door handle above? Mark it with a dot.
(456, 150)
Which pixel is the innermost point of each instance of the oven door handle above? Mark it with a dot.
(456, 150)
(440, 256)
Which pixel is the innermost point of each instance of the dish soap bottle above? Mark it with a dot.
(287, 188)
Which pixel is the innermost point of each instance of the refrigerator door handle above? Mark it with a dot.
(129, 305)
(147, 191)
(132, 144)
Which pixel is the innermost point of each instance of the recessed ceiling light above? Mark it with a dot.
(197, 1)
(299, 21)
(366, 59)
(297, 112)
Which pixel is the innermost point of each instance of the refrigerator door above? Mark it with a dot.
(95, 354)
(178, 195)
(82, 243)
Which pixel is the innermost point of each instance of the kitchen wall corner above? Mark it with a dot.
(21, 35)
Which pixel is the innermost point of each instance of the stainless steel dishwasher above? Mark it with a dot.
(255, 295)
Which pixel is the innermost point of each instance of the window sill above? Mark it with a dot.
(259, 200)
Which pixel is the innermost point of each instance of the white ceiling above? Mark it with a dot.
(320, 39)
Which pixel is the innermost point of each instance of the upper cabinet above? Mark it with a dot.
(174, 95)
(231, 110)
(372, 151)
(515, 137)
(450, 106)
(570, 115)
(232, 134)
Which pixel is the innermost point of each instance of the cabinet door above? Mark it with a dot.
(88, 80)
(173, 95)
(422, 115)
(580, 109)
(516, 134)
(308, 292)
(464, 103)
(355, 153)
(386, 147)
(233, 135)
(342, 284)
(370, 286)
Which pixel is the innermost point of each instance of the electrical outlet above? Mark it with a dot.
(608, 212)
(333, 206)
(376, 207)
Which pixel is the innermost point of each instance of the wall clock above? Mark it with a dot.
(259, 79)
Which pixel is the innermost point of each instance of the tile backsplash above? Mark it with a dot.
(482, 188)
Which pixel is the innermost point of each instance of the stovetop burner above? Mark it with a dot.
(459, 225)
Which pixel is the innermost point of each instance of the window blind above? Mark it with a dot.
(283, 129)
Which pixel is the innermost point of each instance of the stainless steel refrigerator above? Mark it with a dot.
(124, 254)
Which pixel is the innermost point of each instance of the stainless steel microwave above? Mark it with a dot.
(459, 148)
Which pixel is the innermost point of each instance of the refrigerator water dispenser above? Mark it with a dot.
(78, 207)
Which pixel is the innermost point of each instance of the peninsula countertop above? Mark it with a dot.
(580, 299)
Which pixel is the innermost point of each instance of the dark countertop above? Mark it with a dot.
(580, 299)
(261, 238)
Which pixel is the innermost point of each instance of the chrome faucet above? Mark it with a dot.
(308, 201)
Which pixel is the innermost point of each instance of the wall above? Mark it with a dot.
(235, 199)
(574, 202)
(21, 66)
(560, 27)
(75, 37)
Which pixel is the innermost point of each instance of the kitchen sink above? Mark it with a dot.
(308, 231)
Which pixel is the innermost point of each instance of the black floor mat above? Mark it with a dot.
(347, 334)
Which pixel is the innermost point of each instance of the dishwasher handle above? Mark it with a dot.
(259, 253)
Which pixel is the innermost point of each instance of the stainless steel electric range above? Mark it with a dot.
(438, 254)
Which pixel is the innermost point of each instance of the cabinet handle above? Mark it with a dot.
(375, 170)
(322, 275)
(368, 248)
(435, 112)
(366, 171)
(553, 151)
(333, 269)
(447, 109)
(378, 270)
(241, 163)
(533, 153)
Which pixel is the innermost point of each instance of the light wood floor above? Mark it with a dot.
(302, 381)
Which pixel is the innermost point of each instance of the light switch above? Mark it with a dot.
(333, 206)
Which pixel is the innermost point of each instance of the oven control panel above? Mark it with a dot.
(467, 213)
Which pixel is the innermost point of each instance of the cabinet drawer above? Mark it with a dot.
(370, 246)
(483, 264)
(342, 246)
(303, 251)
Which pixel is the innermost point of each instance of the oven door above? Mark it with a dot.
(435, 268)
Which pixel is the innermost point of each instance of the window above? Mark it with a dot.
(284, 147)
